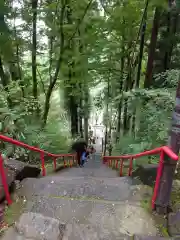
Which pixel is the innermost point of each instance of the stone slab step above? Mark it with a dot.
(119, 189)
(120, 217)
(35, 226)
(32, 226)
(86, 232)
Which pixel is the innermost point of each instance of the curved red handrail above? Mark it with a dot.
(170, 153)
(32, 148)
(162, 151)
(166, 149)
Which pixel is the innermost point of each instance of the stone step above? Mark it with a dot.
(127, 217)
(35, 226)
(117, 189)
(92, 202)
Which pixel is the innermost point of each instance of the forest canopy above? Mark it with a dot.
(54, 53)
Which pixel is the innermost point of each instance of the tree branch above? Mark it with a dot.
(62, 48)
(60, 59)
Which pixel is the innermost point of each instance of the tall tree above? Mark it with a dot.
(152, 48)
(34, 47)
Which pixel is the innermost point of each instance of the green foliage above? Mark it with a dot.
(154, 110)
(22, 124)
(85, 45)
(64, 41)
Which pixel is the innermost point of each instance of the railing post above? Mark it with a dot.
(112, 165)
(158, 178)
(4, 181)
(116, 164)
(64, 161)
(121, 168)
(74, 161)
(54, 160)
(43, 164)
(130, 167)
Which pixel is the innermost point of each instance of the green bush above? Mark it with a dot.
(54, 138)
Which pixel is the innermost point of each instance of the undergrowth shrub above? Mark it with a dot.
(153, 116)
(21, 123)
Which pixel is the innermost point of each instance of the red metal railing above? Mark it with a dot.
(113, 161)
(43, 153)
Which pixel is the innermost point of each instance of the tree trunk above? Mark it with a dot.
(172, 21)
(121, 87)
(125, 117)
(80, 119)
(73, 106)
(74, 117)
(105, 140)
(86, 124)
(4, 81)
(152, 48)
(120, 101)
(19, 71)
(128, 86)
(107, 117)
(86, 112)
(81, 51)
(58, 66)
(34, 47)
(141, 49)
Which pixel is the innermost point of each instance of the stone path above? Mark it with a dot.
(90, 203)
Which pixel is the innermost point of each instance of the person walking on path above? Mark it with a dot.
(79, 147)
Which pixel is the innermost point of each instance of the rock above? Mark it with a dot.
(16, 170)
(10, 176)
(146, 173)
(37, 226)
(174, 223)
(176, 207)
(17, 184)
(82, 232)
(11, 233)
(22, 170)
(176, 185)
(138, 237)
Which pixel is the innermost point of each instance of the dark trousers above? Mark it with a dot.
(79, 154)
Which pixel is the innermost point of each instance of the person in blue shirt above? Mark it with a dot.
(85, 155)
(83, 158)
(79, 147)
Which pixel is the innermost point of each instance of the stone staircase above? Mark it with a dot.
(84, 203)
